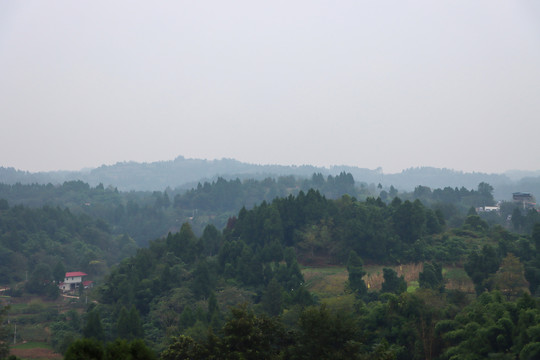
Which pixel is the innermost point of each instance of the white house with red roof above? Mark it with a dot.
(73, 280)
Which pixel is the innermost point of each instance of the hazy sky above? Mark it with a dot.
(391, 84)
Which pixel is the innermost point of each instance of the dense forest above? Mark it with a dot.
(148, 215)
(144, 216)
(189, 286)
(257, 252)
(34, 242)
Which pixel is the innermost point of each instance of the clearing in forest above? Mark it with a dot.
(330, 281)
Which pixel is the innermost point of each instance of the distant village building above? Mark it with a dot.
(74, 280)
(495, 208)
(524, 200)
(488, 209)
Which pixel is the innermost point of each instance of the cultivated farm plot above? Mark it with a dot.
(330, 281)
(326, 281)
(34, 351)
(32, 316)
(374, 274)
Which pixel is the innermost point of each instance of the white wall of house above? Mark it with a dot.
(73, 280)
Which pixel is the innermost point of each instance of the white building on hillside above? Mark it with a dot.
(74, 280)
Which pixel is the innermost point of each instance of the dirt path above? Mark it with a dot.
(70, 296)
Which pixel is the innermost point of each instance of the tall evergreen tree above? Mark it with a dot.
(213, 306)
(93, 328)
(122, 326)
(129, 325)
(135, 322)
(356, 272)
(431, 277)
(272, 299)
(202, 281)
(59, 272)
(392, 283)
(187, 318)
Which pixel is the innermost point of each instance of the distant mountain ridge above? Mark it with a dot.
(185, 173)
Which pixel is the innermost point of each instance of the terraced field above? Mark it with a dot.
(30, 317)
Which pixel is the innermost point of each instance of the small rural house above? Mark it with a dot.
(73, 280)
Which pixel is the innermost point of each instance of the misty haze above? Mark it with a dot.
(284, 180)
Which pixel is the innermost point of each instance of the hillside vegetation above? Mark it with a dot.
(182, 284)
(300, 273)
(41, 243)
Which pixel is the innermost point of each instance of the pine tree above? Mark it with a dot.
(431, 277)
(272, 299)
(187, 318)
(213, 306)
(123, 325)
(59, 272)
(356, 272)
(129, 325)
(392, 283)
(93, 327)
(135, 323)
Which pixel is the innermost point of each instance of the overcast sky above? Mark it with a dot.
(391, 84)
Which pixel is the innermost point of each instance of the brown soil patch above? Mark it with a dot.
(37, 353)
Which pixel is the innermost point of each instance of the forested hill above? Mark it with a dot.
(34, 241)
(180, 287)
(185, 173)
(183, 284)
(148, 215)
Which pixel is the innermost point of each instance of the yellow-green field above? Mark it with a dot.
(330, 282)
(326, 281)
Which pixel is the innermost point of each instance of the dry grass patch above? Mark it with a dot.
(457, 279)
(326, 281)
(331, 281)
(374, 274)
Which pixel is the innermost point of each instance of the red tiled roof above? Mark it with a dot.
(75, 273)
(87, 282)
